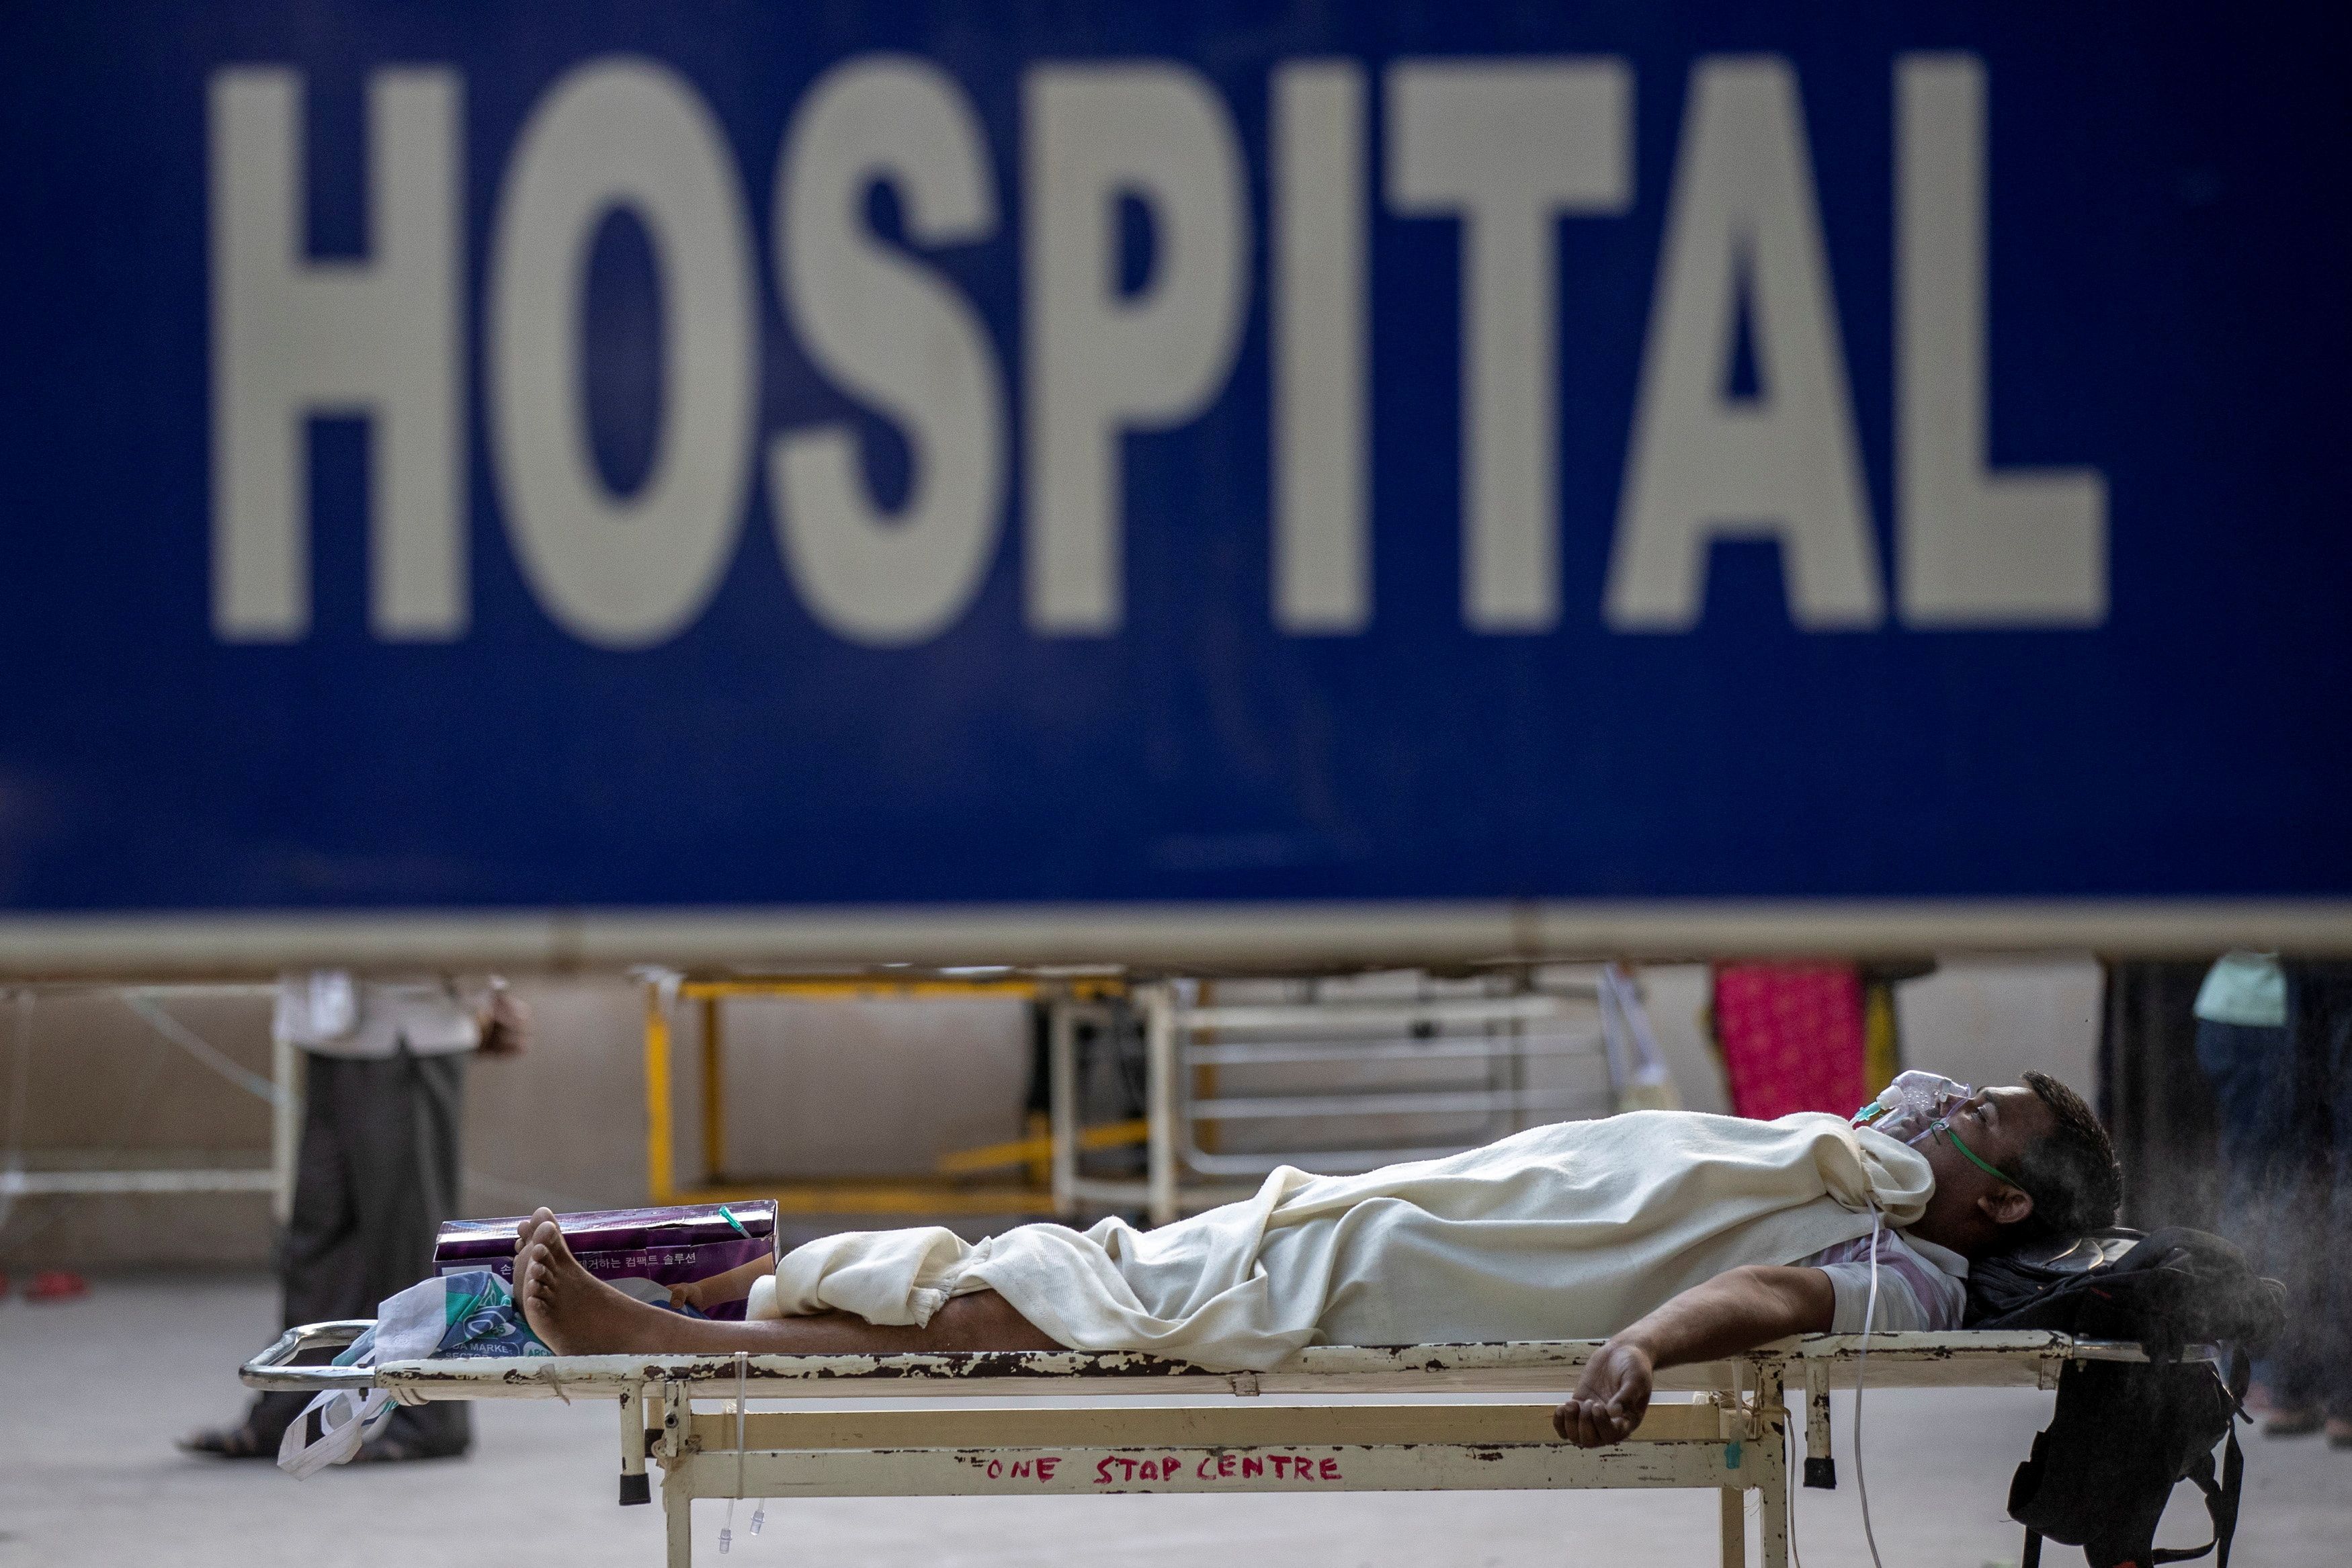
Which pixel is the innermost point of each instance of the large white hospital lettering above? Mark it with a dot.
(1099, 364)
(1509, 146)
(897, 336)
(1703, 466)
(1974, 548)
(622, 572)
(294, 338)
(1317, 300)
(1503, 148)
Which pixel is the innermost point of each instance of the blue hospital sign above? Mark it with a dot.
(521, 458)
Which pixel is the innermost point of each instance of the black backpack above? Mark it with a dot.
(2010, 1282)
(2125, 1432)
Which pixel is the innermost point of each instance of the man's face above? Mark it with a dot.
(1970, 1208)
(1997, 1125)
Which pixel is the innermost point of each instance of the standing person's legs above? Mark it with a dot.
(320, 1269)
(2252, 1070)
(404, 1175)
(2298, 1226)
(2332, 1249)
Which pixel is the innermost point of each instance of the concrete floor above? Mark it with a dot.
(91, 1393)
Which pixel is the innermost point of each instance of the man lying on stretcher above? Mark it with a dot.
(1677, 1236)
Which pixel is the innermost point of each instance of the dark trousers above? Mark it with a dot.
(377, 1175)
(2283, 1099)
(2314, 1363)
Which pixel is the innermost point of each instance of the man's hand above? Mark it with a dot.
(1611, 1398)
(1729, 1313)
(503, 1025)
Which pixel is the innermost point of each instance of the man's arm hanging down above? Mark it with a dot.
(1730, 1313)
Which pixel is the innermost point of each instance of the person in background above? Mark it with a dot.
(2276, 1171)
(385, 1072)
(2313, 1365)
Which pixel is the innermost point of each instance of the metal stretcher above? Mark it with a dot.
(951, 1430)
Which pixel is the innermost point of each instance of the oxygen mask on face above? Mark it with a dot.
(1907, 1109)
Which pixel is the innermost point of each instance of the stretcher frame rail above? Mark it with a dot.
(951, 1424)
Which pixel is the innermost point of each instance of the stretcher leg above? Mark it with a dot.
(1821, 1462)
(1773, 1528)
(635, 1485)
(1772, 1463)
(1733, 1502)
(677, 1513)
(671, 1422)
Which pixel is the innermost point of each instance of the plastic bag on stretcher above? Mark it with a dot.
(465, 1314)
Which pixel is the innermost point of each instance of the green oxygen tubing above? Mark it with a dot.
(1945, 1127)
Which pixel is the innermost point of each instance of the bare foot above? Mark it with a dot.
(578, 1315)
(572, 1310)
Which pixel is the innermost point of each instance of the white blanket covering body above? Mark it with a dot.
(1566, 1231)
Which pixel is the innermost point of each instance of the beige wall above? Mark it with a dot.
(89, 1084)
(1986, 1020)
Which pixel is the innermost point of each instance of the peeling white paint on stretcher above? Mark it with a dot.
(948, 1431)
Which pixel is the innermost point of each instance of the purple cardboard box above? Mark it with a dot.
(646, 1252)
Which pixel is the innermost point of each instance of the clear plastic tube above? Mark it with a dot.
(1861, 1367)
(742, 1378)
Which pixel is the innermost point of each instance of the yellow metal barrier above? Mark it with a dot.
(1030, 1151)
(945, 1193)
(661, 1157)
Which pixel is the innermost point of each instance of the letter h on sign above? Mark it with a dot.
(293, 337)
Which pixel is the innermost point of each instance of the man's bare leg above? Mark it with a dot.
(578, 1315)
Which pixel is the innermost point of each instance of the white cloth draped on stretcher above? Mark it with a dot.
(1566, 1231)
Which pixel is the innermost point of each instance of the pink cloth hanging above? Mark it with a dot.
(1791, 1035)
